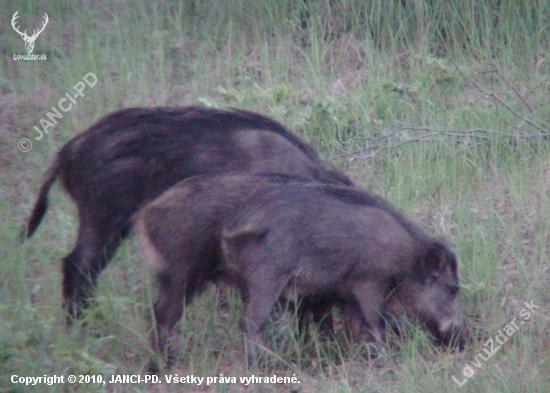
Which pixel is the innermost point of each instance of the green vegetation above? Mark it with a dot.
(443, 107)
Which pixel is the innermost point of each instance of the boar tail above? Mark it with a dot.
(41, 204)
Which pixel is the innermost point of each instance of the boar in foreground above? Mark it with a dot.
(131, 156)
(179, 232)
(341, 244)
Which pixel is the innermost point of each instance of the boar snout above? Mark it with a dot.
(432, 297)
(454, 335)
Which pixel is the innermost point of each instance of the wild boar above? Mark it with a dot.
(129, 157)
(340, 244)
(179, 233)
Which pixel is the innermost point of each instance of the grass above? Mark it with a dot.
(351, 75)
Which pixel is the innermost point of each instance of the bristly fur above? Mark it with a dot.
(339, 244)
(129, 157)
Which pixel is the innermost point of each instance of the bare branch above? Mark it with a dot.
(497, 99)
(378, 143)
(511, 87)
(431, 135)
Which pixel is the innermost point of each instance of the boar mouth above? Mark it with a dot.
(454, 336)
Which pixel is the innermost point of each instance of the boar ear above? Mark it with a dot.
(244, 234)
(435, 259)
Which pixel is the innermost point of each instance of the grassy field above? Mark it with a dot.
(442, 107)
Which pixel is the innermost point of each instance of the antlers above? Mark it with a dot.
(24, 34)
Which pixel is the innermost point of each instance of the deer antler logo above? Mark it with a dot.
(29, 41)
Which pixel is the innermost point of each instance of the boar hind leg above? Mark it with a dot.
(83, 265)
(78, 270)
(112, 246)
(321, 317)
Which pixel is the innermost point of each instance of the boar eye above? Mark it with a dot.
(453, 289)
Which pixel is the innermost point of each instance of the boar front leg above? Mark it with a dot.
(259, 299)
(369, 298)
(168, 308)
(353, 320)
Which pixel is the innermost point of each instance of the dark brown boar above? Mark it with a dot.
(340, 244)
(179, 233)
(131, 156)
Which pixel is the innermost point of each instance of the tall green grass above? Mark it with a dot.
(345, 75)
